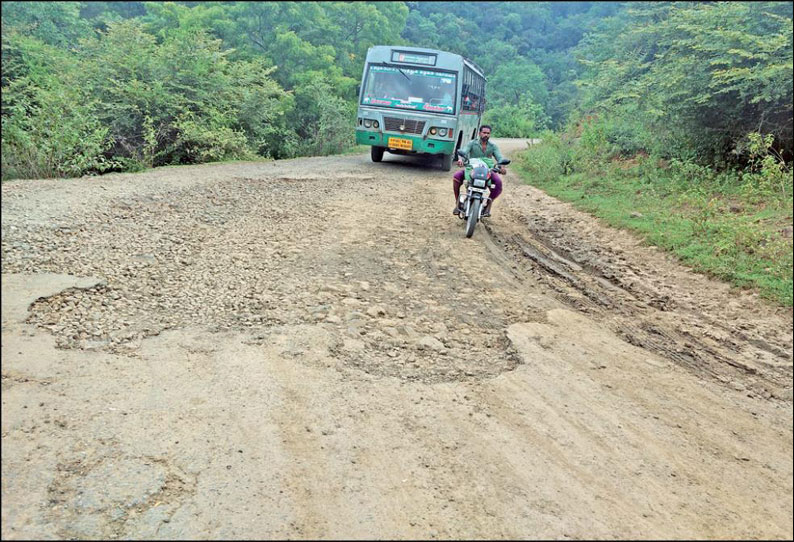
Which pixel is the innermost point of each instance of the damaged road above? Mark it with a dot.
(259, 350)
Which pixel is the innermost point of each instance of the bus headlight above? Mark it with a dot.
(367, 123)
(433, 131)
(375, 124)
(442, 132)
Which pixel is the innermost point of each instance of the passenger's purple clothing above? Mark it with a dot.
(497, 182)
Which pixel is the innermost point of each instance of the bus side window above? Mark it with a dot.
(467, 97)
(473, 91)
(467, 102)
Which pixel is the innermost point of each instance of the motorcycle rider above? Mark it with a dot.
(479, 148)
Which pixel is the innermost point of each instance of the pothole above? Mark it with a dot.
(99, 497)
(428, 360)
(403, 354)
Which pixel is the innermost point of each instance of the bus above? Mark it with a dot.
(418, 101)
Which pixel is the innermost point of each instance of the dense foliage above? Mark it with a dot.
(697, 78)
(98, 86)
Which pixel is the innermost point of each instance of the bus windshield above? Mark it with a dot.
(410, 88)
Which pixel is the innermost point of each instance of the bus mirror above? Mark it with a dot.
(358, 90)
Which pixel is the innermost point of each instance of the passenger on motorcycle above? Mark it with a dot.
(480, 148)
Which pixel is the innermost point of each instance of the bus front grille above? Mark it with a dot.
(408, 126)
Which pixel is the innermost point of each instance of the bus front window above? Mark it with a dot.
(409, 88)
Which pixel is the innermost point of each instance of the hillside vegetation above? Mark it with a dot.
(92, 86)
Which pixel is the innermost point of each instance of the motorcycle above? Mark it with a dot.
(477, 180)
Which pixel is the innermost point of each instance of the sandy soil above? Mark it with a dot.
(311, 349)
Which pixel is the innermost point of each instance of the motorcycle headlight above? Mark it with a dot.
(367, 123)
(442, 132)
(479, 172)
(433, 131)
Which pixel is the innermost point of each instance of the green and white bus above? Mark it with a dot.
(419, 101)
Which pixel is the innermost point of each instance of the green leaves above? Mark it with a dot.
(50, 131)
(518, 81)
(321, 120)
(705, 72)
(126, 99)
(54, 23)
(48, 123)
(525, 120)
(686, 79)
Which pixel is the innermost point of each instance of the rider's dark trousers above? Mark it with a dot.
(496, 189)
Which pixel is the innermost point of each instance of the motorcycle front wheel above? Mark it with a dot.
(474, 216)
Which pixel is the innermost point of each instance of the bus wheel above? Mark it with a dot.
(446, 162)
(376, 153)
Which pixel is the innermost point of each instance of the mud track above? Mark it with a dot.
(312, 349)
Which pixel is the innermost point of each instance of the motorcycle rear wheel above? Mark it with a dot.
(474, 216)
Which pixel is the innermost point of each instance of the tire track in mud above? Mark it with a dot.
(639, 314)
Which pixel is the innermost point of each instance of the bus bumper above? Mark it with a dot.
(418, 144)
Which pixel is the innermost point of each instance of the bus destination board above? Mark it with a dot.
(413, 58)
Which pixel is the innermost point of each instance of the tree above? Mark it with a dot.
(358, 26)
(703, 74)
(54, 23)
(518, 81)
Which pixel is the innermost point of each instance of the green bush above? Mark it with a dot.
(548, 160)
(53, 135)
(50, 127)
(699, 75)
(618, 134)
(769, 177)
(182, 101)
(321, 120)
(206, 139)
(525, 120)
(123, 101)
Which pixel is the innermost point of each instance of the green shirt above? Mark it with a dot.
(474, 149)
